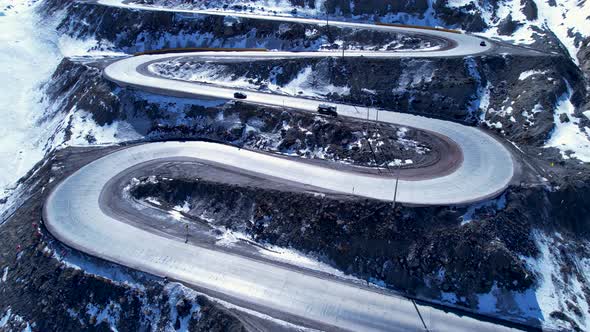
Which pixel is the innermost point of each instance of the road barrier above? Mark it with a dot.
(418, 27)
(199, 49)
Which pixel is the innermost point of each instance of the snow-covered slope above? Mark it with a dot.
(31, 125)
(22, 137)
(519, 21)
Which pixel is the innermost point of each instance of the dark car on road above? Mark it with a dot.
(483, 43)
(240, 95)
(327, 110)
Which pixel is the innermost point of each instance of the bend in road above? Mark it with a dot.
(288, 294)
(486, 170)
(470, 45)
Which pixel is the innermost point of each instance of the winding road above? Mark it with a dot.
(75, 214)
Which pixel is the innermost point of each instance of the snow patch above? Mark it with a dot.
(5, 274)
(110, 314)
(152, 200)
(526, 74)
(177, 292)
(556, 291)
(229, 237)
(185, 207)
(107, 271)
(568, 137)
(566, 18)
(23, 38)
(297, 258)
(493, 205)
(86, 131)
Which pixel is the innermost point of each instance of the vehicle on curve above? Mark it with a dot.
(483, 43)
(327, 110)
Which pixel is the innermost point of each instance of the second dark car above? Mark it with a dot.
(327, 110)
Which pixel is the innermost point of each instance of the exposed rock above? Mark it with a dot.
(563, 118)
(529, 9)
(507, 27)
(584, 58)
(183, 307)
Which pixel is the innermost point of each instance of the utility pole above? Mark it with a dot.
(396, 183)
(186, 227)
(326, 9)
(376, 109)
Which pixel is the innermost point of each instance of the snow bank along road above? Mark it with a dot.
(74, 215)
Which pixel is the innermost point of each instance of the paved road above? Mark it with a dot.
(469, 44)
(486, 170)
(74, 215)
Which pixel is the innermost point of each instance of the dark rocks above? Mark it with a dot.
(563, 118)
(507, 27)
(529, 9)
(469, 18)
(183, 307)
(82, 86)
(584, 58)
(525, 107)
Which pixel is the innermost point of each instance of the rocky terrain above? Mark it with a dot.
(524, 255)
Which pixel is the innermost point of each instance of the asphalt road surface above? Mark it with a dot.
(74, 214)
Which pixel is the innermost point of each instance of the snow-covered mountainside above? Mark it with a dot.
(524, 255)
(31, 125)
(22, 142)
